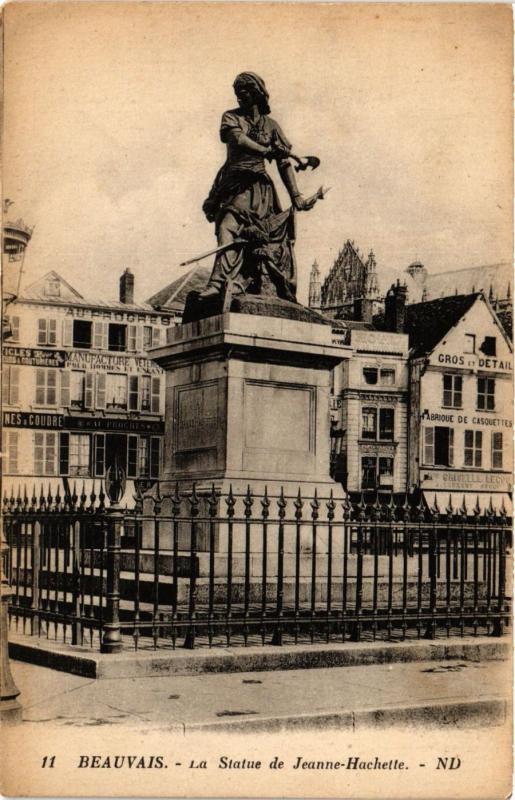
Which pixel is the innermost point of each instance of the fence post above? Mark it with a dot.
(10, 709)
(112, 637)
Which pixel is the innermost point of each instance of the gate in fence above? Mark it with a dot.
(196, 568)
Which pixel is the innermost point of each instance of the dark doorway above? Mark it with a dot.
(443, 447)
(116, 451)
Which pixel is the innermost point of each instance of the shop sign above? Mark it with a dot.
(469, 360)
(37, 420)
(105, 362)
(33, 357)
(476, 419)
(463, 480)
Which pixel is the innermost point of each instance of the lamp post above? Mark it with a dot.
(15, 238)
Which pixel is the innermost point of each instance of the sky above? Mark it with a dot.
(111, 131)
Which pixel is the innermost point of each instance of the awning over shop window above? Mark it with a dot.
(485, 500)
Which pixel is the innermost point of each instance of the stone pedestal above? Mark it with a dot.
(247, 403)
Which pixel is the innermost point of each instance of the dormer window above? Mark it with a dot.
(53, 288)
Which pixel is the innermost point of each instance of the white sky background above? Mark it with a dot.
(111, 131)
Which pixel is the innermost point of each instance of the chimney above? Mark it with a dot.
(127, 287)
(363, 309)
(395, 308)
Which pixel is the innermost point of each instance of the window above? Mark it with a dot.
(496, 450)
(368, 472)
(117, 337)
(143, 457)
(147, 337)
(47, 331)
(45, 452)
(486, 394)
(387, 377)
(116, 391)
(77, 380)
(452, 391)
(470, 343)
(14, 324)
(386, 423)
(79, 449)
(439, 446)
(145, 392)
(369, 423)
(132, 457)
(46, 387)
(53, 288)
(132, 338)
(82, 331)
(12, 452)
(489, 346)
(473, 448)
(370, 375)
(155, 399)
(11, 385)
(156, 337)
(385, 471)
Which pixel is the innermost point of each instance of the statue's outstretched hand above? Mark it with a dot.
(302, 203)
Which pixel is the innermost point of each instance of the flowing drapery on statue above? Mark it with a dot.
(255, 253)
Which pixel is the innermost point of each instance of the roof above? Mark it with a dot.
(494, 280)
(173, 296)
(494, 277)
(427, 323)
(505, 317)
(38, 292)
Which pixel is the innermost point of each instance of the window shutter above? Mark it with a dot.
(132, 457)
(156, 337)
(42, 327)
(131, 338)
(14, 388)
(156, 391)
(51, 391)
(38, 453)
(52, 331)
(101, 390)
(64, 453)
(139, 338)
(133, 392)
(6, 386)
(98, 335)
(40, 387)
(15, 329)
(65, 387)
(67, 332)
(451, 447)
(154, 457)
(429, 445)
(100, 447)
(89, 387)
(50, 454)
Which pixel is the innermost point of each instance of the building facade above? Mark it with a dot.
(370, 409)
(461, 422)
(350, 279)
(80, 393)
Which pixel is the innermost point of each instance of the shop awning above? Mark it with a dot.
(470, 500)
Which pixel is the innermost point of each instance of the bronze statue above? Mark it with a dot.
(255, 237)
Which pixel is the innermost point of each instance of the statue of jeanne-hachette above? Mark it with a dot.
(255, 237)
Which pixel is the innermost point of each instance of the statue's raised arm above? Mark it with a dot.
(255, 236)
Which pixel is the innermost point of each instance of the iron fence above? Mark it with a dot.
(196, 568)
